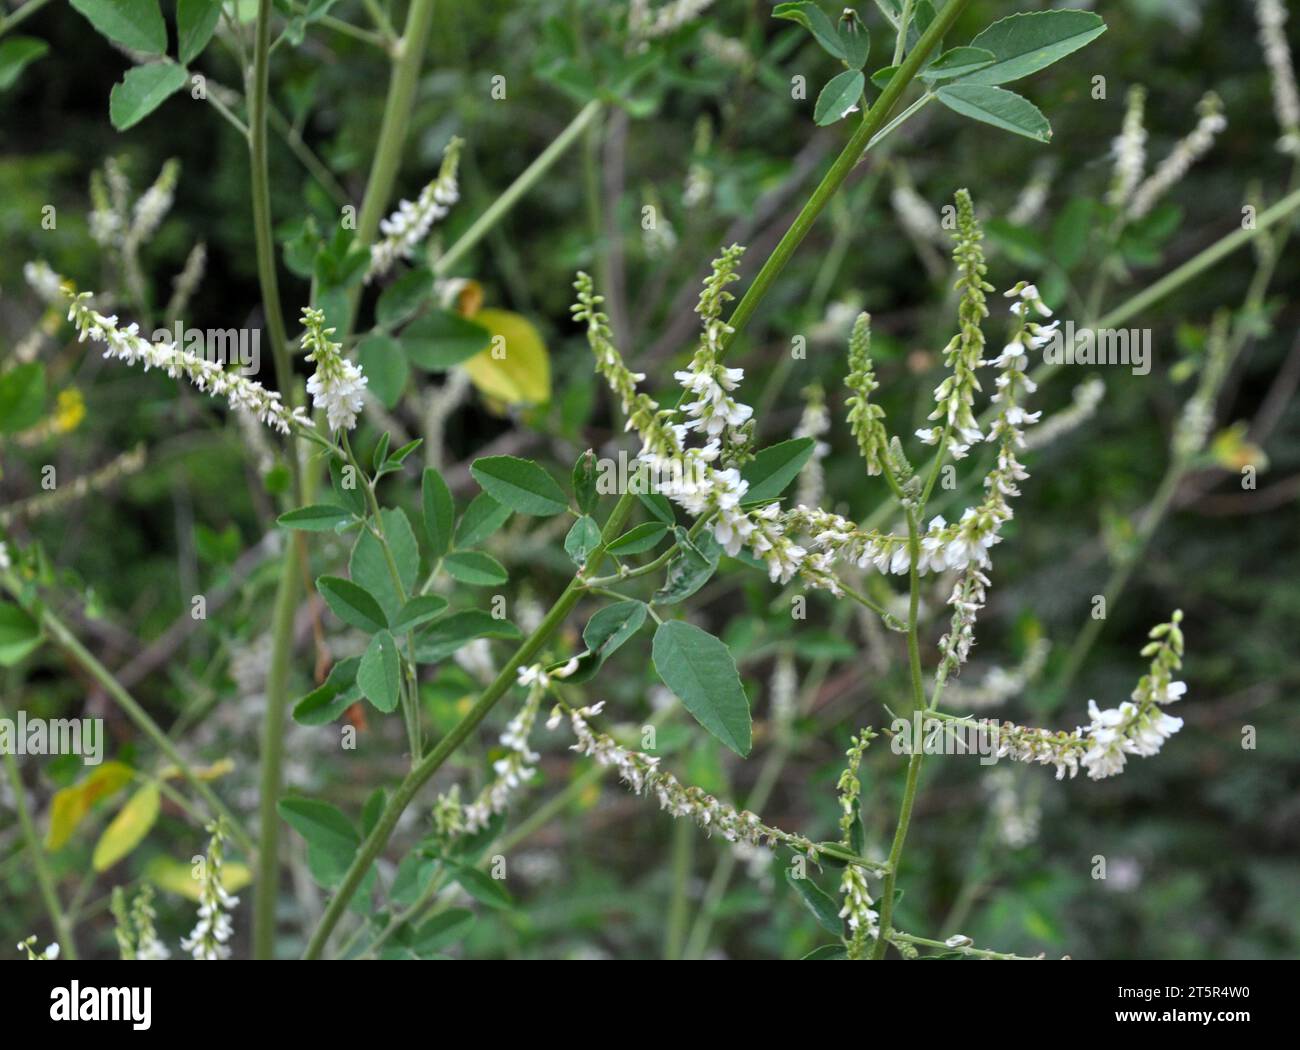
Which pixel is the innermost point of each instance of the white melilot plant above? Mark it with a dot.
(417, 627)
(407, 227)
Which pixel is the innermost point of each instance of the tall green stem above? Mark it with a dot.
(918, 752)
(409, 52)
(261, 191)
(288, 589)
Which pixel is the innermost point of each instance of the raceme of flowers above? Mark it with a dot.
(1271, 16)
(207, 941)
(642, 774)
(126, 344)
(944, 546)
(955, 396)
(1130, 149)
(511, 771)
(1184, 154)
(687, 475)
(137, 936)
(405, 228)
(1138, 726)
(337, 386)
(858, 910)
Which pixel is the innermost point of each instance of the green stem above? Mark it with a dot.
(269, 780)
(914, 763)
(22, 14)
(286, 598)
(872, 122)
(904, 23)
(679, 903)
(405, 77)
(59, 921)
(974, 953)
(261, 191)
(510, 197)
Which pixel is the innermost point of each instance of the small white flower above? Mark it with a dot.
(337, 385)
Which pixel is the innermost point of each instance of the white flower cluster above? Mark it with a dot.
(1130, 149)
(866, 418)
(955, 396)
(915, 214)
(153, 205)
(688, 475)
(1186, 153)
(405, 228)
(1033, 198)
(1272, 15)
(859, 909)
(207, 941)
(642, 774)
(136, 933)
(647, 24)
(1138, 726)
(1015, 816)
(337, 385)
(714, 413)
(126, 344)
(813, 423)
(109, 192)
(1087, 396)
(963, 545)
(517, 766)
(538, 676)
(5, 562)
(44, 281)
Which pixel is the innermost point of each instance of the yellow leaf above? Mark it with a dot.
(71, 804)
(177, 877)
(516, 368)
(128, 828)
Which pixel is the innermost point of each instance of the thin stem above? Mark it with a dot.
(510, 196)
(380, 17)
(679, 903)
(872, 122)
(283, 615)
(904, 23)
(49, 894)
(397, 114)
(287, 590)
(914, 763)
(22, 14)
(974, 953)
(261, 192)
